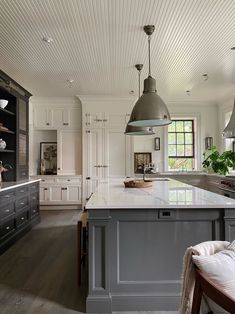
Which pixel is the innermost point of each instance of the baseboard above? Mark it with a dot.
(60, 207)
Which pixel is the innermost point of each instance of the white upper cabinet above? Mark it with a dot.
(106, 120)
(53, 117)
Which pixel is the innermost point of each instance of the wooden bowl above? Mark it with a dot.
(138, 183)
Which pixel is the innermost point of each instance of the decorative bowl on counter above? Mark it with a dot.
(3, 103)
(2, 144)
(138, 183)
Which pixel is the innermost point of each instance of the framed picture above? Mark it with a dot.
(157, 143)
(48, 158)
(141, 160)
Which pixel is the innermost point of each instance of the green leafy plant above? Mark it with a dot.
(219, 163)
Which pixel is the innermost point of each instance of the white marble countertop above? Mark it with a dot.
(4, 186)
(163, 194)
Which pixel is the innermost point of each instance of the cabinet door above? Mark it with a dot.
(23, 115)
(116, 154)
(43, 118)
(44, 194)
(74, 193)
(57, 193)
(93, 153)
(116, 120)
(94, 120)
(74, 118)
(69, 152)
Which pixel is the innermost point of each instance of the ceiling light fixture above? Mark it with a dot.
(150, 110)
(48, 40)
(70, 82)
(229, 131)
(138, 130)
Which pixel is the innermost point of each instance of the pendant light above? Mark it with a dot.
(149, 110)
(138, 130)
(229, 131)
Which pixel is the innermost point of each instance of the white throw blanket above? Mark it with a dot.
(188, 275)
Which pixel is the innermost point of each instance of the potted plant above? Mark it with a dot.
(219, 163)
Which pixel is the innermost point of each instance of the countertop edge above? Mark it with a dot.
(17, 184)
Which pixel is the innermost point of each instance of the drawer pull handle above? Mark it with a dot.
(22, 218)
(47, 123)
(22, 203)
(34, 211)
(7, 210)
(22, 191)
(7, 196)
(8, 228)
(34, 198)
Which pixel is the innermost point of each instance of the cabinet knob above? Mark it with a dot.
(58, 168)
(7, 210)
(45, 189)
(22, 218)
(7, 228)
(47, 123)
(88, 178)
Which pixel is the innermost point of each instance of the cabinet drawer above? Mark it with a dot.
(21, 203)
(34, 210)
(69, 180)
(22, 191)
(7, 209)
(34, 197)
(33, 187)
(8, 196)
(7, 228)
(21, 219)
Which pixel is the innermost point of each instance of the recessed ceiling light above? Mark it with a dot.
(70, 81)
(47, 39)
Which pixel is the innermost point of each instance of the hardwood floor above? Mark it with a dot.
(38, 273)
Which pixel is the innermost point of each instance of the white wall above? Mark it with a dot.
(207, 125)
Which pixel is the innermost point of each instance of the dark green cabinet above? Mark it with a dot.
(14, 129)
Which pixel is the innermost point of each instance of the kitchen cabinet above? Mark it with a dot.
(60, 190)
(69, 152)
(19, 211)
(106, 156)
(53, 117)
(106, 120)
(14, 128)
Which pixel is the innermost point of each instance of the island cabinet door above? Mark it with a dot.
(146, 249)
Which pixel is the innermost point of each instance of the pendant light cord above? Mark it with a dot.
(149, 39)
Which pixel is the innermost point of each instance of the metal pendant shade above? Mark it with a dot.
(149, 110)
(136, 130)
(229, 131)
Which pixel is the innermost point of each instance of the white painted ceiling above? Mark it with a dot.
(97, 43)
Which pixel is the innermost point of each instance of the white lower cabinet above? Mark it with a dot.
(57, 190)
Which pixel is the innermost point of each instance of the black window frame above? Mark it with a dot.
(193, 139)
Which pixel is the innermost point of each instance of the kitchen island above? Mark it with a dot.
(137, 239)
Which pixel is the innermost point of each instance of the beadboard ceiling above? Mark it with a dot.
(97, 43)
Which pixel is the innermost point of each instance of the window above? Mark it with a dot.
(181, 145)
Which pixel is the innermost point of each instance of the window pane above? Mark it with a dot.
(180, 150)
(188, 138)
(171, 127)
(171, 138)
(188, 126)
(188, 150)
(180, 138)
(172, 150)
(179, 164)
(179, 126)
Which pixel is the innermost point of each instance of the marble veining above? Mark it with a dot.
(14, 184)
(163, 194)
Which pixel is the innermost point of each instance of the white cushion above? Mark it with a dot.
(220, 268)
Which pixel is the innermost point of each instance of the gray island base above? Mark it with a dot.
(137, 239)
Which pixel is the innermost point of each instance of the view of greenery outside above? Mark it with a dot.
(181, 145)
